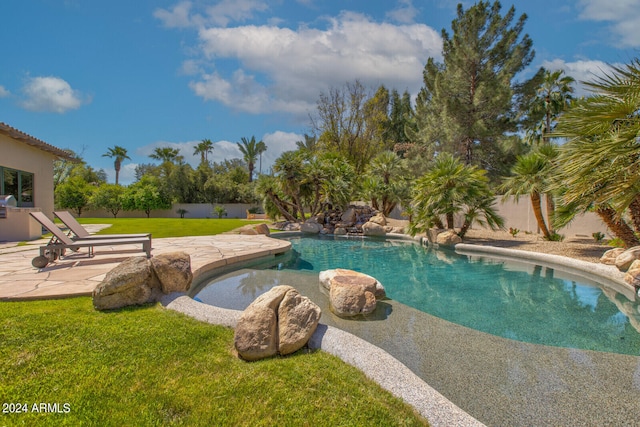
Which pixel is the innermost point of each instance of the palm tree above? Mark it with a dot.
(310, 144)
(249, 150)
(203, 148)
(261, 147)
(165, 154)
(119, 154)
(291, 173)
(451, 187)
(168, 156)
(600, 161)
(529, 176)
(553, 97)
(386, 181)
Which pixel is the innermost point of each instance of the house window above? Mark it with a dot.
(17, 183)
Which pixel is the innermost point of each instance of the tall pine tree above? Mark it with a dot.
(466, 105)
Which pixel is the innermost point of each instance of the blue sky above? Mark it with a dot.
(88, 75)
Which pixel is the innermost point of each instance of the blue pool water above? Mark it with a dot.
(518, 301)
(533, 306)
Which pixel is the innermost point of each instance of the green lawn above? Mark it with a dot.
(150, 366)
(168, 227)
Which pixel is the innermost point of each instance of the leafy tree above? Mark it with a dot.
(108, 197)
(450, 188)
(145, 195)
(249, 150)
(203, 148)
(62, 167)
(348, 123)
(117, 153)
(466, 104)
(74, 193)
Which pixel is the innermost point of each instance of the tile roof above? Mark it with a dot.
(34, 142)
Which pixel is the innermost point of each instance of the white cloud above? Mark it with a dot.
(182, 15)
(405, 13)
(177, 17)
(285, 70)
(581, 71)
(50, 94)
(4, 92)
(623, 14)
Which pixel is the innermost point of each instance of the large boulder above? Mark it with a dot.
(351, 293)
(349, 216)
(372, 229)
(280, 320)
(340, 231)
(326, 276)
(351, 296)
(433, 233)
(609, 257)
(173, 271)
(298, 319)
(633, 274)
(379, 219)
(262, 229)
(448, 238)
(129, 283)
(311, 226)
(625, 259)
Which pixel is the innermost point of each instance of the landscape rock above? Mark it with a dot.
(340, 231)
(278, 321)
(432, 234)
(378, 219)
(625, 259)
(326, 276)
(173, 271)
(129, 283)
(448, 238)
(311, 226)
(373, 229)
(262, 229)
(349, 216)
(351, 293)
(609, 257)
(298, 319)
(248, 231)
(633, 274)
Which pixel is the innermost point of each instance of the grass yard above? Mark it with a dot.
(149, 366)
(168, 227)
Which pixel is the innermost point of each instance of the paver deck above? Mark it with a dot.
(76, 274)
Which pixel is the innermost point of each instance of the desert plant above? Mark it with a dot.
(598, 236)
(220, 211)
(182, 212)
(555, 237)
(513, 231)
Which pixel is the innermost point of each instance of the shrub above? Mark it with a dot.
(513, 231)
(598, 236)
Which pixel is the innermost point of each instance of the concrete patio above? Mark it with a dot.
(76, 274)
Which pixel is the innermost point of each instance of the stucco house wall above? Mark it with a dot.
(18, 155)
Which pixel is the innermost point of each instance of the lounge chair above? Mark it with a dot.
(81, 233)
(60, 242)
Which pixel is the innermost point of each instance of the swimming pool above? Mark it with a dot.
(519, 301)
(499, 381)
